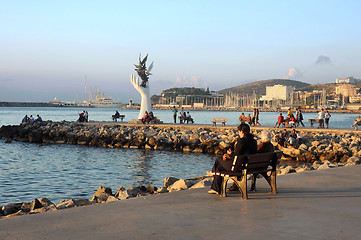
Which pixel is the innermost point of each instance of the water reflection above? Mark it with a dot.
(142, 166)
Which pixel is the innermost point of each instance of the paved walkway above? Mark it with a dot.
(323, 204)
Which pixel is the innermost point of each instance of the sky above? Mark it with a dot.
(64, 48)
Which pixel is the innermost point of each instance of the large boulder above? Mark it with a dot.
(72, 202)
(122, 194)
(11, 208)
(101, 195)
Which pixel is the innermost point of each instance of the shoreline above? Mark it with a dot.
(171, 184)
(321, 149)
(222, 109)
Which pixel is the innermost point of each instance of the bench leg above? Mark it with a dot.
(242, 185)
(253, 184)
(271, 181)
(224, 187)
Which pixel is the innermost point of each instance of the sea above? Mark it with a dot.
(62, 171)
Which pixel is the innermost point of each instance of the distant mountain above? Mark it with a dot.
(259, 87)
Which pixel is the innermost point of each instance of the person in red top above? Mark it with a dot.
(281, 120)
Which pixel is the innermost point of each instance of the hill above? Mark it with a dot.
(259, 87)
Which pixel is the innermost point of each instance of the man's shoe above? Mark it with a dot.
(212, 191)
(232, 188)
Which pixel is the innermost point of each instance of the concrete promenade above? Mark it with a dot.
(323, 204)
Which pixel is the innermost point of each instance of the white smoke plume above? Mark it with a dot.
(294, 73)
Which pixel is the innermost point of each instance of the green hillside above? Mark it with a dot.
(259, 87)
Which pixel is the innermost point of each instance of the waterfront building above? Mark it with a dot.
(277, 92)
(346, 90)
(348, 80)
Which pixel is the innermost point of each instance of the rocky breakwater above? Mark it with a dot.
(120, 136)
(333, 146)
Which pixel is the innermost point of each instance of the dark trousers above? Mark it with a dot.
(220, 165)
(175, 118)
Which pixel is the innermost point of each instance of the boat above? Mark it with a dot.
(100, 101)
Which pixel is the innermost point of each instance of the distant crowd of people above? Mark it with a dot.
(291, 120)
(252, 121)
(148, 117)
(285, 139)
(323, 118)
(31, 119)
(183, 116)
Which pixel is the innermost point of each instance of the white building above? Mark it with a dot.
(347, 80)
(277, 92)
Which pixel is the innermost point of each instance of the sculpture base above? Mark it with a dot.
(139, 121)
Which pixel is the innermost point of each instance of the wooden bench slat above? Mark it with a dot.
(257, 165)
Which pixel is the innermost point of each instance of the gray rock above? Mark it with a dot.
(169, 181)
(11, 208)
(35, 204)
(203, 183)
(122, 194)
(101, 195)
(112, 199)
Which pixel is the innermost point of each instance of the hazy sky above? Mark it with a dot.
(48, 47)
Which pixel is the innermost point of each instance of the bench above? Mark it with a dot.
(115, 117)
(219, 120)
(260, 163)
(312, 121)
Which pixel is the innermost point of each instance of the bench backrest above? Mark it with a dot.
(219, 119)
(255, 163)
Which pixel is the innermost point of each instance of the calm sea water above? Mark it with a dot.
(58, 172)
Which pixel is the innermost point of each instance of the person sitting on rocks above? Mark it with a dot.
(292, 138)
(249, 119)
(291, 141)
(291, 122)
(280, 120)
(38, 118)
(181, 117)
(151, 117)
(81, 117)
(357, 122)
(189, 118)
(280, 139)
(145, 118)
(242, 118)
(298, 138)
(25, 119)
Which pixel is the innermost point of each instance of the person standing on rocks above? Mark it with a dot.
(175, 111)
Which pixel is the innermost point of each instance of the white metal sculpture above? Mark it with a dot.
(143, 88)
(144, 92)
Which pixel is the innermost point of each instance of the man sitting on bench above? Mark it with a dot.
(245, 144)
